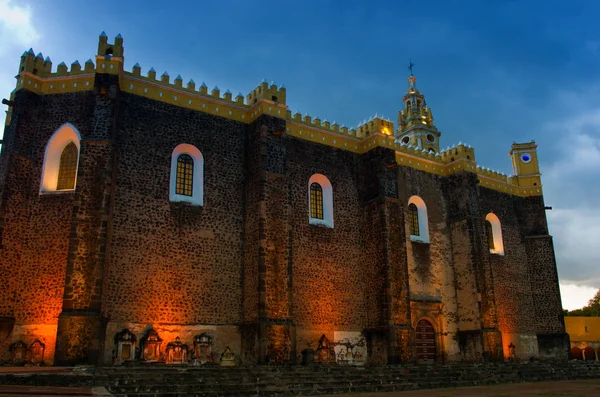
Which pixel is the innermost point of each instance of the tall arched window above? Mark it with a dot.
(187, 175)
(61, 160)
(418, 222)
(67, 168)
(494, 234)
(320, 201)
(490, 234)
(413, 219)
(316, 201)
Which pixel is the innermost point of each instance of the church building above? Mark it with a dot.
(144, 219)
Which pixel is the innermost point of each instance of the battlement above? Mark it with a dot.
(107, 49)
(374, 125)
(177, 85)
(38, 66)
(270, 92)
(458, 152)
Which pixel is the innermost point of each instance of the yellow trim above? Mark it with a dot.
(457, 159)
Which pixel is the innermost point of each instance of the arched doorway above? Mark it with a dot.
(576, 353)
(589, 354)
(425, 341)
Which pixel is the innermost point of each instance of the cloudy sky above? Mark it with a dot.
(493, 72)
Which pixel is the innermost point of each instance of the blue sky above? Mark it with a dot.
(493, 72)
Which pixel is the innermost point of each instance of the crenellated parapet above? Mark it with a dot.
(415, 140)
(269, 92)
(188, 95)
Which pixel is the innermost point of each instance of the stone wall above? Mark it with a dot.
(35, 228)
(173, 263)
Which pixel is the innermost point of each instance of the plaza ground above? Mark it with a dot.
(565, 388)
(576, 388)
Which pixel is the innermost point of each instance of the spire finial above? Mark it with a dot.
(410, 67)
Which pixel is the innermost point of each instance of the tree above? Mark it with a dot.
(591, 310)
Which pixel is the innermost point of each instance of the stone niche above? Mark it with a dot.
(228, 358)
(18, 353)
(203, 349)
(150, 346)
(325, 352)
(177, 352)
(125, 342)
(36, 352)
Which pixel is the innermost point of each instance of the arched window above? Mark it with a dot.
(316, 201)
(320, 201)
(187, 175)
(413, 219)
(494, 234)
(67, 168)
(418, 222)
(61, 159)
(490, 234)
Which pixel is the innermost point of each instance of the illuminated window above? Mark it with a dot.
(185, 175)
(316, 201)
(494, 234)
(67, 168)
(59, 170)
(413, 219)
(320, 201)
(490, 234)
(418, 223)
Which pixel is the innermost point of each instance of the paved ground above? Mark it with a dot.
(47, 391)
(575, 388)
(568, 388)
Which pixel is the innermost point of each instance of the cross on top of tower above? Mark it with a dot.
(410, 67)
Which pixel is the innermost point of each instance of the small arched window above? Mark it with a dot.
(320, 201)
(418, 222)
(67, 168)
(187, 175)
(316, 201)
(494, 234)
(61, 160)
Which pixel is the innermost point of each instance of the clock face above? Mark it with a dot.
(526, 157)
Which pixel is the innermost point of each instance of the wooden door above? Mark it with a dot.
(425, 341)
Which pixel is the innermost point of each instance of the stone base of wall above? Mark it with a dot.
(553, 345)
(29, 333)
(526, 345)
(223, 336)
(78, 338)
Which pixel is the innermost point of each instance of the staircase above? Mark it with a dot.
(161, 380)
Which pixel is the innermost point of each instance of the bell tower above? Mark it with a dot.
(415, 121)
(525, 164)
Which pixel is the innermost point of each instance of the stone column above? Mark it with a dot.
(268, 332)
(80, 325)
(473, 273)
(553, 341)
(385, 220)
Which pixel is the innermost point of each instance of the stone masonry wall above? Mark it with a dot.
(36, 228)
(512, 284)
(430, 266)
(171, 262)
(331, 273)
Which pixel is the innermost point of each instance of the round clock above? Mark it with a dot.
(525, 157)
